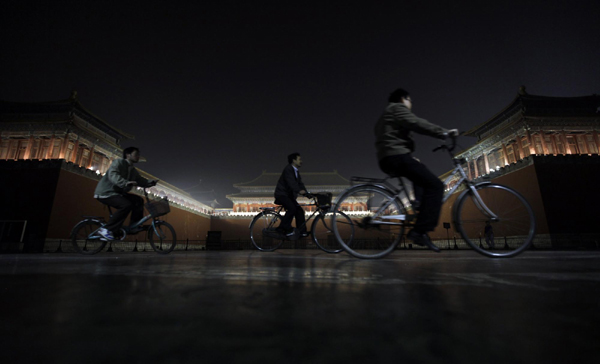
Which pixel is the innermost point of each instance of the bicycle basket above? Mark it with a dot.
(323, 198)
(158, 207)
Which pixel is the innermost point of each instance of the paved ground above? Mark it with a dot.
(295, 306)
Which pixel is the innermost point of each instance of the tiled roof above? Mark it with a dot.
(533, 105)
(60, 108)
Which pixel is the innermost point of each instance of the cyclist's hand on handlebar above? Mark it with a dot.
(152, 183)
(453, 132)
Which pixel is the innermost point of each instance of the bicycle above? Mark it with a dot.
(265, 238)
(389, 209)
(161, 235)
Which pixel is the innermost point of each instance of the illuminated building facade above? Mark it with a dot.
(534, 125)
(52, 155)
(58, 130)
(547, 149)
(259, 192)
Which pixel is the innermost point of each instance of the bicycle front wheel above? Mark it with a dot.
(262, 231)
(85, 237)
(162, 237)
(376, 222)
(323, 235)
(503, 226)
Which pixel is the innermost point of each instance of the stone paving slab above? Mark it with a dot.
(297, 306)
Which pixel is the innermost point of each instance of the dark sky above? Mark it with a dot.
(219, 91)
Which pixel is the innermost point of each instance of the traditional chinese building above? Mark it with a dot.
(259, 191)
(547, 149)
(52, 155)
(534, 125)
(58, 130)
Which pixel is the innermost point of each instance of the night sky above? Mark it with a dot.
(218, 91)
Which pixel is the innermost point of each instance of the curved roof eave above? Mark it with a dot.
(472, 131)
(102, 121)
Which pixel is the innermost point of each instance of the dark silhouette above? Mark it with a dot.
(288, 188)
(394, 152)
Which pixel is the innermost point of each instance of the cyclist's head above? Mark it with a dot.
(292, 157)
(398, 95)
(129, 150)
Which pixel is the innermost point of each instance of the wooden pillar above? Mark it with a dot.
(532, 150)
(487, 163)
(543, 140)
(597, 140)
(28, 149)
(63, 147)
(50, 148)
(505, 153)
(75, 150)
(585, 144)
(469, 170)
(14, 143)
(475, 168)
(563, 135)
(553, 138)
(89, 164)
(519, 154)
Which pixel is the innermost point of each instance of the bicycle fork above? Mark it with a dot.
(481, 205)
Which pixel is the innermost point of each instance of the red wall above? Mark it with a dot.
(524, 181)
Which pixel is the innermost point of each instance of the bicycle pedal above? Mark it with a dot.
(292, 237)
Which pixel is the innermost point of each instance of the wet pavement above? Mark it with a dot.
(299, 306)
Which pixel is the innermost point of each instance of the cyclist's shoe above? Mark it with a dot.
(292, 235)
(304, 234)
(422, 240)
(105, 234)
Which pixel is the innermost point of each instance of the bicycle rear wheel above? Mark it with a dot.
(162, 237)
(376, 223)
(510, 232)
(262, 233)
(85, 237)
(323, 235)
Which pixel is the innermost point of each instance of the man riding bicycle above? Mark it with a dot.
(113, 188)
(394, 152)
(289, 186)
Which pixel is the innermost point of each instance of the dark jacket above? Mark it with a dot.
(288, 185)
(394, 128)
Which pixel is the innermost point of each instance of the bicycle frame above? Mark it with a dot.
(397, 192)
(128, 229)
(278, 210)
(470, 187)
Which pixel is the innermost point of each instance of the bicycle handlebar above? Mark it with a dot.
(450, 148)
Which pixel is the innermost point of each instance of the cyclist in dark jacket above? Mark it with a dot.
(288, 188)
(394, 152)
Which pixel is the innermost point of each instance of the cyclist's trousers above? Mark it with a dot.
(292, 210)
(429, 190)
(124, 204)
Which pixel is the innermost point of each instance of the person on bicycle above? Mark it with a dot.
(287, 190)
(394, 152)
(113, 188)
